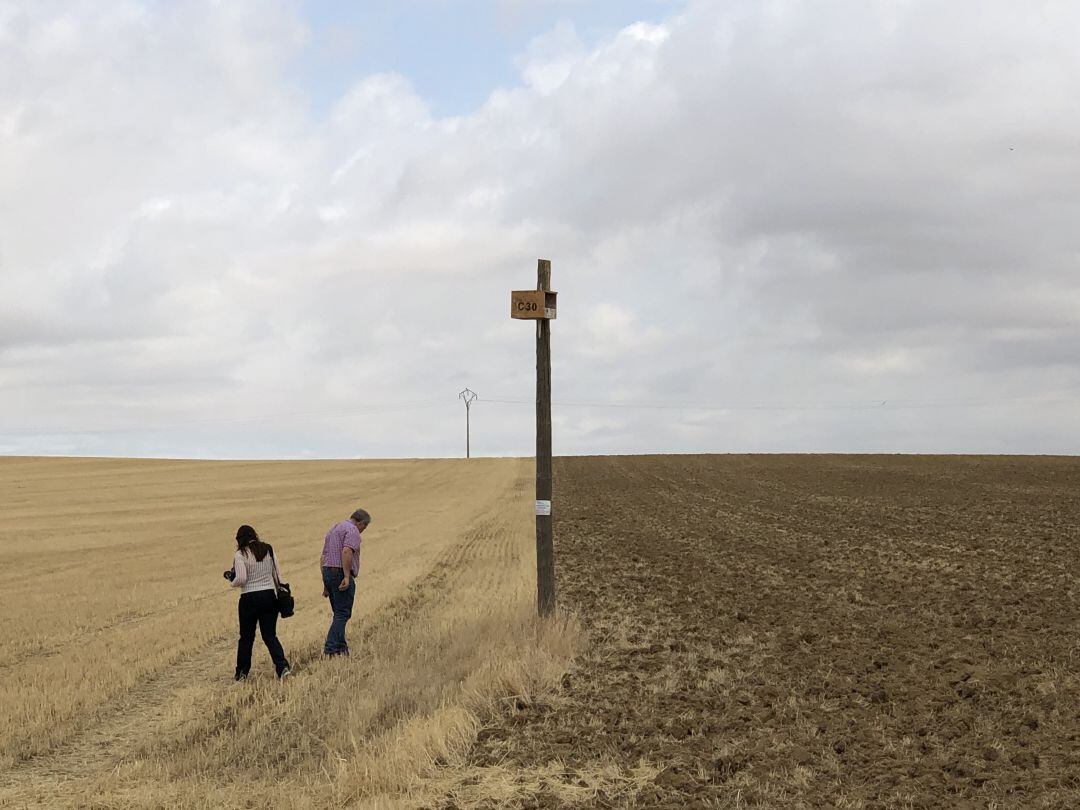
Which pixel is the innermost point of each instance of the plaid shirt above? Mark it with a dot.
(341, 535)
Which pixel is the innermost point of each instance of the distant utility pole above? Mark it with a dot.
(469, 396)
(539, 306)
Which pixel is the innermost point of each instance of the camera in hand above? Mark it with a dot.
(230, 574)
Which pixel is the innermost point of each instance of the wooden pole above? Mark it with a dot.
(545, 552)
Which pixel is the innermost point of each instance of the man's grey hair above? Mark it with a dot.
(361, 516)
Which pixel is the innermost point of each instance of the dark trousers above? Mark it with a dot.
(341, 603)
(258, 608)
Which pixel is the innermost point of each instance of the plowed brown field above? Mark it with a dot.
(801, 631)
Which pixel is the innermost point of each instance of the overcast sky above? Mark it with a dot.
(284, 229)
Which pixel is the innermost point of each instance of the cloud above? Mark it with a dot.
(748, 204)
(551, 58)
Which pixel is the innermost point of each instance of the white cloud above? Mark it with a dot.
(551, 58)
(612, 331)
(750, 203)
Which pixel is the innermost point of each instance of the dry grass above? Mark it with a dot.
(118, 641)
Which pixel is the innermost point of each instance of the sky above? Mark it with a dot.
(286, 229)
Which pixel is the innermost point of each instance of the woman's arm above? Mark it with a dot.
(241, 570)
(277, 568)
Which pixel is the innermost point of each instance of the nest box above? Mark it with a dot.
(532, 305)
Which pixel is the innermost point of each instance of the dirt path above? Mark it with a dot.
(113, 736)
(119, 732)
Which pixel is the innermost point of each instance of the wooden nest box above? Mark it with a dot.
(532, 305)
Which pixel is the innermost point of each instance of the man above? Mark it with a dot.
(340, 564)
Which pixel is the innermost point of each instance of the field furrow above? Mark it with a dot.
(801, 631)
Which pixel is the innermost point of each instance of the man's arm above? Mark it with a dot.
(346, 567)
(325, 592)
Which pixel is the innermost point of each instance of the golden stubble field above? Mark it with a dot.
(118, 636)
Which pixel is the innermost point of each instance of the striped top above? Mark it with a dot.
(255, 575)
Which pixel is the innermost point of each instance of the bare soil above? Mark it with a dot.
(809, 631)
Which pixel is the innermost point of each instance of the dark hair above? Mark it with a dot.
(247, 541)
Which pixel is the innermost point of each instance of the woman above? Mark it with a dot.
(255, 572)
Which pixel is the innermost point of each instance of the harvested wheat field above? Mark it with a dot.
(801, 631)
(118, 640)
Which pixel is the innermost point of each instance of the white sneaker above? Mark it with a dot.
(285, 674)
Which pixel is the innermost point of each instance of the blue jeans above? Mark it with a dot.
(341, 603)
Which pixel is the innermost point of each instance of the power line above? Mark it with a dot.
(370, 409)
(858, 405)
(887, 404)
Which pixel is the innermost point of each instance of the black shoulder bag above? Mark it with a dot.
(286, 605)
